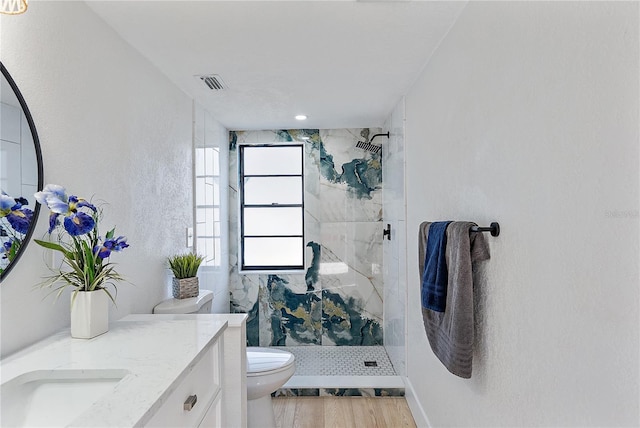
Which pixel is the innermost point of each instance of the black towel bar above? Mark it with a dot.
(494, 228)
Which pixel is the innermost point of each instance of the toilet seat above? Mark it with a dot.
(263, 361)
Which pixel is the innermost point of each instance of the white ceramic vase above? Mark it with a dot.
(89, 314)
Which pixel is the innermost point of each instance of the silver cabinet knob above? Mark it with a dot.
(190, 403)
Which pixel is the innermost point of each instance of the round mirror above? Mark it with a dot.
(20, 173)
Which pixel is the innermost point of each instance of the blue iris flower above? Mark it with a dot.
(6, 247)
(109, 245)
(53, 196)
(6, 204)
(22, 201)
(12, 209)
(20, 219)
(75, 222)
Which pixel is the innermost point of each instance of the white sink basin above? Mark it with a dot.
(54, 398)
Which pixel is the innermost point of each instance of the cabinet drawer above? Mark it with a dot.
(213, 417)
(203, 381)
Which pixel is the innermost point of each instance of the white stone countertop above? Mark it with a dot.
(157, 354)
(233, 320)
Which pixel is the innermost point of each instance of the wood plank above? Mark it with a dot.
(309, 413)
(298, 412)
(393, 412)
(338, 412)
(284, 411)
(342, 412)
(366, 413)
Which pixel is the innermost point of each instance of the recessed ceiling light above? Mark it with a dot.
(301, 117)
(305, 138)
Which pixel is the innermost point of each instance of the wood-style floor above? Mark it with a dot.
(342, 412)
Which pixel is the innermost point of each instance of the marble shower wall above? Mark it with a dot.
(337, 300)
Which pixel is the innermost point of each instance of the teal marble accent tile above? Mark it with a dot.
(346, 392)
(284, 135)
(295, 318)
(297, 392)
(389, 392)
(233, 140)
(253, 328)
(311, 277)
(304, 134)
(362, 392)
(344, 324)
(350, 179)
(362, 173)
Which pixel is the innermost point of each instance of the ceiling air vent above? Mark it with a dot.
(213, 82)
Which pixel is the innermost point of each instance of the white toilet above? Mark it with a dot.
(267, 368)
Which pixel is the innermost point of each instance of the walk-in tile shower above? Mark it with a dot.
(331, 314)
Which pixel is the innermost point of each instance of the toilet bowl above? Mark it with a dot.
(267, 368)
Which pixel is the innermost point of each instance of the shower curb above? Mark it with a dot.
(339, 392)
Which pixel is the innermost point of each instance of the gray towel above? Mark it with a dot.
(450, 333)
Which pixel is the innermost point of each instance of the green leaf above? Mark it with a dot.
(51, 246)
(185, 265)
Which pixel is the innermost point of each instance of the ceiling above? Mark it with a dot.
(345, 64)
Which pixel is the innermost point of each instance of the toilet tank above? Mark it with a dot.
(201, 304)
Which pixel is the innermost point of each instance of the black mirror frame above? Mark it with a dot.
(36, 145)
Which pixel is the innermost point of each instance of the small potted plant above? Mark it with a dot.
(185, 268)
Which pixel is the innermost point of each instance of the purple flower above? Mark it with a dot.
(56, 199)
(78, 223)
(12, 209)
(109, 245)
(22, 201)
(20, 219)
(6, 248)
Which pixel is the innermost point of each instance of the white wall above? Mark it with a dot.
(113, 127)
(528, 114)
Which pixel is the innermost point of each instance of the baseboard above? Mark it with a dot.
(417, 411)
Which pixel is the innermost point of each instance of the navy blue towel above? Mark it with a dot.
(435, 275)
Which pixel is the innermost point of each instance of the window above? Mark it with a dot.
(208, 204)
(271, 207)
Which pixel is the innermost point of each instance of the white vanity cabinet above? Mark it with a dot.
(229, 408)
(196, 400)
(138, 374)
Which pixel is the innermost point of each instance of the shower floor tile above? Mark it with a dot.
(341, 361)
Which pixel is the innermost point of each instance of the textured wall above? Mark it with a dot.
(343, 202)
(113, 127)
(528, 114)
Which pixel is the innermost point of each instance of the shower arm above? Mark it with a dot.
(379, 135)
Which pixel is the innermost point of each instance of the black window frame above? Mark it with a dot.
(243, 267)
